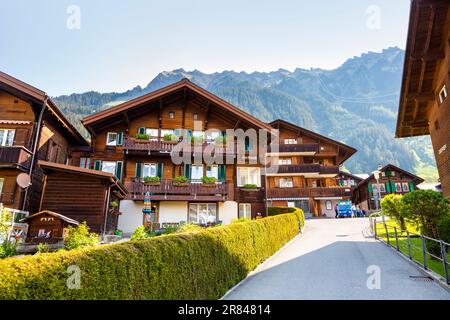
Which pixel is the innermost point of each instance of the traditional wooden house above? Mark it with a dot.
(83, 195)
(31, 128)
(424, 104)
(393, 180)
(47, 227)
(308, 176)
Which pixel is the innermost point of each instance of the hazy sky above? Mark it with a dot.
(116, 44)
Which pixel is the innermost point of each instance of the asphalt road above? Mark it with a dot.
(330, 260)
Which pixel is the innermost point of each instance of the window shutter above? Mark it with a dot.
(411, 186)
(393, 187)
(160, 170)
(98, 165)
(119, 169)
(187, 171)
(388, 187)
(138, 170)
(370, 188)
(247, 144)
(120, 138)
(222, 172)
(141, 130)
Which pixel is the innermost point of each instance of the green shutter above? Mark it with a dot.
(98, 165)
(138, 170)
(370, 187)
(411, 186)
(187, 171)
(120, 138)
(388, 187)
(248, 146)
(393, 186)
(119, 170)
(141, 130)
(222, 172)
(160, 170)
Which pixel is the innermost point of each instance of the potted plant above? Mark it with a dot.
(220, 141)
(170, 138)
(181, 181)
(141, 137)
(250, 187)
(152, 181)
(209, 181)
(114, 207)
(196, 140)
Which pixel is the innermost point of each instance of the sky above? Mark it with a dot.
(63, 46)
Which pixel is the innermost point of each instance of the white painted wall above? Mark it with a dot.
(329, 213)
(132, 216)
(173, 211)
(228, 211)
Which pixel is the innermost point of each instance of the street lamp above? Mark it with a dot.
(377, 174)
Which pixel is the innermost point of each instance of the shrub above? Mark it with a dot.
(139, 234)
(170, 137)
(192, 265)
(114, 204)
(42, 248)
(250, 186)
(142, 136)
(189, 227)
(180, 179)
(391, 206)
(79, 237)
(209, 179)
(8, 249)
(274, 211)
(443, 228)
(240, 220)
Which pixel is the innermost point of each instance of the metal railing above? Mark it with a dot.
(429, 253)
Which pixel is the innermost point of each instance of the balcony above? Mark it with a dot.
(304, 149)
(307, 170)
(15, 155)
(168, 190)
(7, 198)
(330, 192)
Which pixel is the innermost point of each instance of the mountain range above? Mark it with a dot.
(355, 103)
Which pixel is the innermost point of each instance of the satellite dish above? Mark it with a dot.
(23, 180)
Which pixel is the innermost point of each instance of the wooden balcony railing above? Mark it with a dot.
(308, 192)
(7, 198)
(307, 168)
(297, 148)
(15, 155)
(169, 190)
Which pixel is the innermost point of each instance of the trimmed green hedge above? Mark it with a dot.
(197, 265)
(274, 211)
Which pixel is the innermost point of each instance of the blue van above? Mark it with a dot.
(345, 209)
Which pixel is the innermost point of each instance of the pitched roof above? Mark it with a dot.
(45, 165)
(391, 166)
(28, 92)
(54, 214)
(155, 95)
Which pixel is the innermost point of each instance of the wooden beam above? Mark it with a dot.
(421, 96)
(430, 56)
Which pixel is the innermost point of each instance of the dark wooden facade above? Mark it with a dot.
(425, 106)
(393, 180)
(82, 194)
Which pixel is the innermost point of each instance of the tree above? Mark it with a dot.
(79, 237)
(391, 206)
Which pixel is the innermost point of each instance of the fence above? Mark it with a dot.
(431, 254)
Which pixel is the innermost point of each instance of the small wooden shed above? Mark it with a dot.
(47, 226)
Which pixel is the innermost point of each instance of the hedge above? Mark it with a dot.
(274, 211)
(196, 265)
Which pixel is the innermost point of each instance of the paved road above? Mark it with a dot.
(330, 261)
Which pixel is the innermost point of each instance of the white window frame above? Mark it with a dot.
(151, 132)
(443, 94)
(212, 173)
(114, 142)
(192, 172)
(398, 187)
(166, 132)
(201, 218)
(290, 141)
(149, 166)
(85, 162)
(4, 142)
(245, 210)
(286, 182)
(328, 205)
(407, 187)
(285, 161)
(109, 162)
(2, 182)
(245, 171)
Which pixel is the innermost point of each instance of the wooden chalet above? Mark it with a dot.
(83, 195)
(31, 128)
(424, 103)
(308, 176)
(393, 180)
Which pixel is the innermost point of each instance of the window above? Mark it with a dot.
(85, 162)
(109, 166)
(248, 175)
(153, 133)
(245, 210)
(195, 116)
(382, 188)
(290, 141)
(111, 139)
(150, 170)
(405, 186)
(196, 171)
(198, 134)
(328, 205)
(202, 213)
(166, 132)
(284, 161)
(436, 125)
(2, 181)
(211, 136)
(212, 171)
(398, 187)
(286, 183)
(443, 94)
(7, 137)
(171, 115)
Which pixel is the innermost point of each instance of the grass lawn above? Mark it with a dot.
(416, 246)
